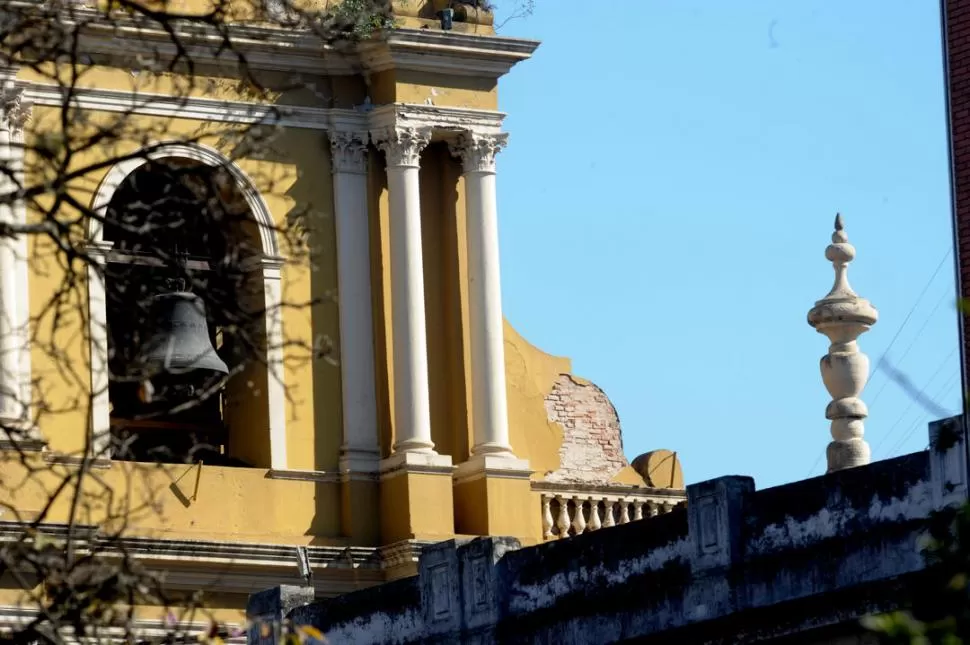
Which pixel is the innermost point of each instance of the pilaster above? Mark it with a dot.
(15, 368)
(417, 501)
(493, 496)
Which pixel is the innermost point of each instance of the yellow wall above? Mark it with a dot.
(179, 501)
(531, 376)
(292, 175)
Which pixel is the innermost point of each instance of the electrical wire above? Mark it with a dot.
(923, 418)
(919, 298)
(913, 401)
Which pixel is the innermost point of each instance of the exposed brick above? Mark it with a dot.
(592, 447)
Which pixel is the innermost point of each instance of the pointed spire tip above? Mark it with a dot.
(838, 222)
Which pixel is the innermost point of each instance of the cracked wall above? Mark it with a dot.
(592, 446)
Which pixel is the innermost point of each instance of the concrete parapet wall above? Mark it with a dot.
(802, 556)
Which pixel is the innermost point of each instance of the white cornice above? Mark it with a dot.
(205, 558)
(13, 617)
(442, 120)
(181, 107)
(442, 52)
(268, 48)
(438, 119)
(615, 490)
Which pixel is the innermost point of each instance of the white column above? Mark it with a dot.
(412, 409)
(275, 377)
(14, 310)
(489, 400)
(360, 450)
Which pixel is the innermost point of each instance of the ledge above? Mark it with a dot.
(492, 466)
(322, 476)
(430, 463)
(76, 461)
(272, 48)
(609, 489)
(447, 52)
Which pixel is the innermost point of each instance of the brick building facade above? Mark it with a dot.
(956, 46)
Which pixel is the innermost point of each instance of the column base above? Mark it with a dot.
(416, 496)
(493, 496)
(355, 461)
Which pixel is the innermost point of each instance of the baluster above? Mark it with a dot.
(608, 519)
(653, 509)
(637, 510)
(594, 515)
(579, 522)
(667, 507)
(624, 511)
(563, 521)
(547, 522)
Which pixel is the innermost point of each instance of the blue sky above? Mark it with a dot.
(669, 189)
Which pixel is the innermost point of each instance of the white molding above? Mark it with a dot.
(321, 476)
(190, 107)
(411, 461)
(76, 461)
(237, 566)
(196, 152)
(123, 39)
(271, 264)
(13, 617)
(441, 119)
(404, 553)
(158, 550)
(97, 250)
(492, 466)
(615, 492)
(15, 371)
(443, 52)
(359, 465)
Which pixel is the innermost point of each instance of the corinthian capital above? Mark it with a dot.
(402, 146)
(14, 112)
(348, 150)
(477, 151)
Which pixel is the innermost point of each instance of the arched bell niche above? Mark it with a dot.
(183, 220)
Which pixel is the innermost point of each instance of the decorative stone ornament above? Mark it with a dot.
(843, 316)
(14, 111)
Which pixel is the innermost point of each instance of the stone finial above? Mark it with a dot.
(843, 316)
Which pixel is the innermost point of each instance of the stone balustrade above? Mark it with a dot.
(570, 510)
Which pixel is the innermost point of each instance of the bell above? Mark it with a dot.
(181, 343)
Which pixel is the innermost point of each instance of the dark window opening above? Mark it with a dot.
(176, 227)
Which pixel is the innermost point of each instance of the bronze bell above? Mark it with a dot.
(181, 343)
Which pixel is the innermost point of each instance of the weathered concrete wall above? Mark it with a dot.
(736, 565)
